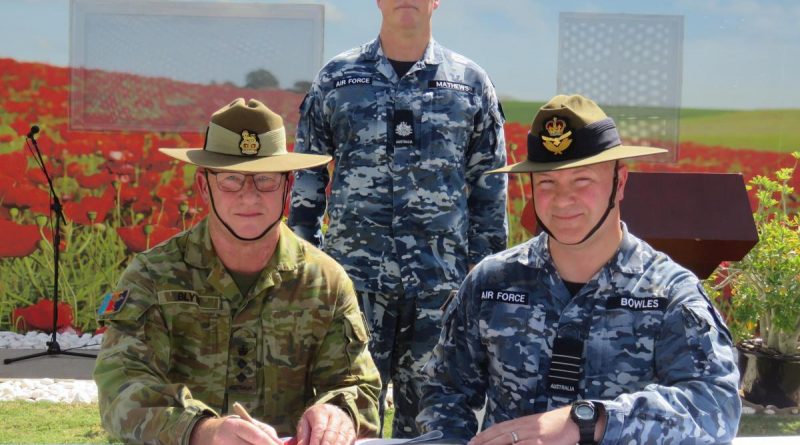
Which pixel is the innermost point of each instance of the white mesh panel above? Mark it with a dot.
(632, 66)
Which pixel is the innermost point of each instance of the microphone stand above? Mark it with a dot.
(53, 348)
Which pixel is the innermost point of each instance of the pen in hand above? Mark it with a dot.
(239, 410)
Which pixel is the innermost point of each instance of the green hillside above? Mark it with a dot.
(768, 130)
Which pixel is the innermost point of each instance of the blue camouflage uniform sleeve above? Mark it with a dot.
(308, 193)
(486, 202)
(456, 383)
(696, 395)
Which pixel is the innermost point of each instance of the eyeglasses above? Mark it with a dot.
(233, 182)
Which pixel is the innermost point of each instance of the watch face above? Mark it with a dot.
(584, 412)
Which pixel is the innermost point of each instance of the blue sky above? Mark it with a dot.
(739, 54)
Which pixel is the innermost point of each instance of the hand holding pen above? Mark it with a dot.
(238, 429)
(240, 411)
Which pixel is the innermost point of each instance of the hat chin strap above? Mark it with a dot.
(611, 204)
(230, 229)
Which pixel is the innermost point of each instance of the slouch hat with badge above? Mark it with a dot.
(246, 137)
(570, 132)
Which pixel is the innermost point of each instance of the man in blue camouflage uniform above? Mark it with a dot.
(412, 127)
(585, 333)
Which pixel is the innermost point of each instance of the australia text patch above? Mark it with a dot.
(504, 296)
(638, 304)
(404, 128)
(352, 81)
(451, 86)
(566, 367)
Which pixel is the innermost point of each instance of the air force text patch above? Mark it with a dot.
(451, 86)
(638, 304)
(352, 81)
(505, 296)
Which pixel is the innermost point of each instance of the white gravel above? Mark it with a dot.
(38, 340)
(49, 390)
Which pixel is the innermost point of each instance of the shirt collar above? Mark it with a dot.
(628, 259)
(434, 53)
(200, 252)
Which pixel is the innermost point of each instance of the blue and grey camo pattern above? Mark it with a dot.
(404, 333)
(403, 218)
(664, 377)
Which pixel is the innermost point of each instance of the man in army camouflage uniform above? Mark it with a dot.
(237, 309)
(412, 127)
(584, 333)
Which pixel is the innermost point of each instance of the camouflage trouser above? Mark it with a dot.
(404, 332)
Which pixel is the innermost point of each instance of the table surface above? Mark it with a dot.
(760, 440)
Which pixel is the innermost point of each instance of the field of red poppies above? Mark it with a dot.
(120, 196)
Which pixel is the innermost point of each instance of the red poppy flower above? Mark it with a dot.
(15, 162)
(137, 240)
(528, 219)
(28, 197)
(18, 240)
(163, 233)
(96, 181)
(39, 316)
(90, 209)
(133, 237)
(75, 169)
(6, 183)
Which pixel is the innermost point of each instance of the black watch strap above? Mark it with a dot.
(587, 433)
(586, 425)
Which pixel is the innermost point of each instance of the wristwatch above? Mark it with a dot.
(585, 413)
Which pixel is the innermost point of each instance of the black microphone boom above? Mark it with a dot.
(34, 130)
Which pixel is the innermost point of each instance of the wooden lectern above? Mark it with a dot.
(698, 219)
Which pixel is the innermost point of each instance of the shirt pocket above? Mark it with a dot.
(286, 355)
(198, 330)
(357, 121)
(515, 337)
(357, 335)
(448, 121)
(621, 353)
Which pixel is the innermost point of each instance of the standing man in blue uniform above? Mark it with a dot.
(412, 128)
(584, 333)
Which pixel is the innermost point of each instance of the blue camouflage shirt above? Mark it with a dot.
(656, 352)
(409, 208)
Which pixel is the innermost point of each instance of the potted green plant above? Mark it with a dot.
(763, 310)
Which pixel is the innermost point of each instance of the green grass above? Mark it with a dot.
(521, 112)
(43, 422)
(763, 425)
(767, 130)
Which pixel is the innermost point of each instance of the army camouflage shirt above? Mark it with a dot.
(409, 208)
(655, 352)
(185, 343)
